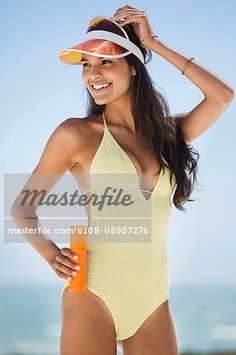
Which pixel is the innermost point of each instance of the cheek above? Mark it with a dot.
(123, 82)
(84, 77)
(121, 77)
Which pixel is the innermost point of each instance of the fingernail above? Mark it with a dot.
(69, 278)
(77, 267)
(74, 272)
(75, 257)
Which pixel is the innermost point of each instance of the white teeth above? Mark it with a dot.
(97, 87)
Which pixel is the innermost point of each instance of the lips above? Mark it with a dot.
(102, 89)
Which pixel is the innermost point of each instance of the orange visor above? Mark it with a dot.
(103, 39)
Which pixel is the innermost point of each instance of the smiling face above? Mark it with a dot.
(112, 71)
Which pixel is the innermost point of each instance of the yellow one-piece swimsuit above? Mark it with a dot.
(131, 278)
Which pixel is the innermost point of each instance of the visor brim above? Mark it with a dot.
(95, 47)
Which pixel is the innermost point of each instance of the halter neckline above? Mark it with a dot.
(104, 120)
(161, 173)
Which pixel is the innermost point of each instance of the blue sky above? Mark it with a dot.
(39, 92)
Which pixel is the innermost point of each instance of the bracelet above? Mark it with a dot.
(152, 35)
(186, 64)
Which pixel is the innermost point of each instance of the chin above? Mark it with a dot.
(101, 101)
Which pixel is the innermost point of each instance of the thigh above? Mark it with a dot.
(156, 336)
(87, 326)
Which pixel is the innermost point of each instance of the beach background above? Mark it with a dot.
(39, 92)
(204, 319)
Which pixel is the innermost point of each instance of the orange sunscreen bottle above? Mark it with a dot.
(78, 244)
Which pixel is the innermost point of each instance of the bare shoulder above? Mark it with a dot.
(69, 137)
(73, 125)
(77, 134)
(77, 126)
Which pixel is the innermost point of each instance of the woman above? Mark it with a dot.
(132, 131)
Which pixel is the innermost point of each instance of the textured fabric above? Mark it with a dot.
(131, 278)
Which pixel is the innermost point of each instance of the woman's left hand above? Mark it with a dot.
(137, 19)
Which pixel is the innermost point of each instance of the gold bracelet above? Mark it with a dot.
(186, 64)
(152, 35)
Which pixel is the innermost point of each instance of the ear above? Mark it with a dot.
(133, 71)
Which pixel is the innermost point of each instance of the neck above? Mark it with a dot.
(120, 117)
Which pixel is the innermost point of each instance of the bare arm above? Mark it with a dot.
(217, 93)
(56, 160)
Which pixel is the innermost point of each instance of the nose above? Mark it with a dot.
(95, 73)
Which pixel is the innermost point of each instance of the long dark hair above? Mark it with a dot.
(151, 114)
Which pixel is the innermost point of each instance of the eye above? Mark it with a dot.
(104, 60)
(107, 60)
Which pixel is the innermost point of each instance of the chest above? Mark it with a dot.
(107, 151)
(106, 154)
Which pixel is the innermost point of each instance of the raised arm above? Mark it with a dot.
(217, 93)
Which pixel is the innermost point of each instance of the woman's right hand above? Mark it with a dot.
(63, 266)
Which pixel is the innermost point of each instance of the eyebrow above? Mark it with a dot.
(86, 60)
